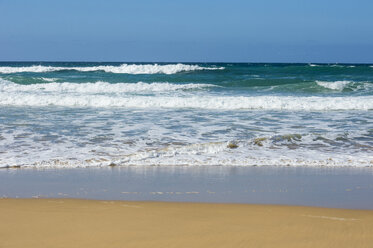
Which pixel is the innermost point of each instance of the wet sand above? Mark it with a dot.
(350, 188)
(88, 223)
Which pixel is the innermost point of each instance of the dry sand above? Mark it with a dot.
(84, 223)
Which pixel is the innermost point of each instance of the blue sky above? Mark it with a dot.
(180, 30)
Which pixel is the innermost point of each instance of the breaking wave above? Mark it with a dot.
(341, 86)
(97, 87)
(201, 154)
(131, 95)
(337, 85)
(124, 68)
(206, 102)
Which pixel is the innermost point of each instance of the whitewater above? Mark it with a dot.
(83, 114)
(123, 68)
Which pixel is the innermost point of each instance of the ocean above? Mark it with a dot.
(80, 114)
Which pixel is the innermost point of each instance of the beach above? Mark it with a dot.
(161, 124)
(87, 223)
(152, 206)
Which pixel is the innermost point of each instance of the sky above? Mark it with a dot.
(333, 31)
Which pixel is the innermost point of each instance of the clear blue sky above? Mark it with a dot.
(187, 30)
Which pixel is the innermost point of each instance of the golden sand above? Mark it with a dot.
(30, 223)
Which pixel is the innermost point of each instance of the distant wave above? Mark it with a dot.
(332, 65)
(342, 85)
(97, 87)
(124, 68)
(337, 85)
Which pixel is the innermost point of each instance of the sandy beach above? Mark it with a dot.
(88, 223)
(186, 124)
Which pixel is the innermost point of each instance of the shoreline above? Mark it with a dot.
(63, 198)
(91, 223)
(349, 188)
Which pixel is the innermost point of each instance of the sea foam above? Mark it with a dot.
(124, 68)
(342, 85)
(205, 102)
(103, 94)
(212, 153)
(336, 85)
(97, 87)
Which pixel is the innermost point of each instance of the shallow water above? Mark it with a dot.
(325, 187)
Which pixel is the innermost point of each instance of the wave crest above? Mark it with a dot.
(99, 87)
(206, 102)
(124, 68)
(203, 154)
(336, 85)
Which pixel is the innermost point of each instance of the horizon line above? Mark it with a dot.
(175, 62)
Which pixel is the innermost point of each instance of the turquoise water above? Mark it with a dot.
(98, 114)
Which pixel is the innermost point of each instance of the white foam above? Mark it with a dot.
(339, 86)
(34, 68)
(218, 153)
(99, 137)
(215, 153)
(103, 94)
(336, 85)
(124, 68)
(49, 79)
(97, 87)
(206, 102)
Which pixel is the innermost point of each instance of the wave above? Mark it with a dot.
(124, 68)
(97, 87)
(49, 79)
(343, 85)
(131, 95)
(332, 65)
(201, 154)
(337, 85)
(220, 153)
(204, 102)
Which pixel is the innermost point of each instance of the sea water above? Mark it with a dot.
(70, 114)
